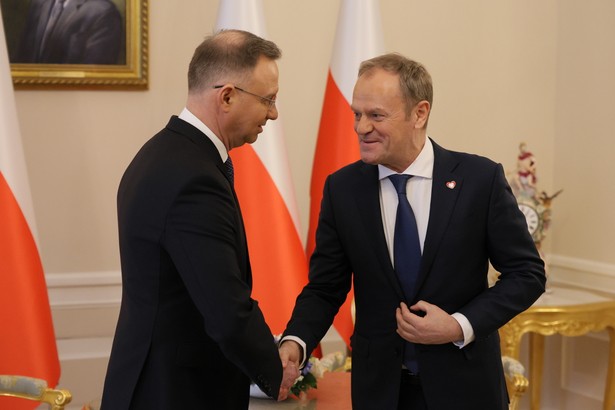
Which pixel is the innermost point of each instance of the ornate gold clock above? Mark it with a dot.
(534, 216)
(536, 208)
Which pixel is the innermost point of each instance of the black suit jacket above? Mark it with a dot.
(475, 222)
(188, 331)
(87, 32)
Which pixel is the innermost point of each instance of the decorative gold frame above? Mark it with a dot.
(132, 75)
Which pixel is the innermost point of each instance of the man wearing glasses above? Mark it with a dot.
(187, 322)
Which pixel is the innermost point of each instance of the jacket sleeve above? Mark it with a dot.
(512, 252)
(329, 280)
(203, 239)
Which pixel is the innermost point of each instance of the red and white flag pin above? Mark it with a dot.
(451, 184)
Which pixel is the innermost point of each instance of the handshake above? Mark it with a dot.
(291, 356)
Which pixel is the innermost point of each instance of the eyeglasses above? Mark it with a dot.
(269, 102)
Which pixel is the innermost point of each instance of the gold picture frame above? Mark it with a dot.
(130, 72)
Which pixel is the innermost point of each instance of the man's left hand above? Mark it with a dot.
(428, 325)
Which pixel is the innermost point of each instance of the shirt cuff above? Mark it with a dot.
(301, 343)
(466, 327)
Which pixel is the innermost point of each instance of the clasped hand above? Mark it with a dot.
(432, 326)
(290, 355)
(290, 375)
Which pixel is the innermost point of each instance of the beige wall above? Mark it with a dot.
(584, 151)
(504, 72)
(493, 63)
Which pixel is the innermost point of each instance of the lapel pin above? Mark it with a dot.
(451, 184)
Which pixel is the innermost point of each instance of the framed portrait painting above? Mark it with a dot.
(77, 43)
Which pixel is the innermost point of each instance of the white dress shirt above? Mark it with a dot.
(418, 190)
(191, 119)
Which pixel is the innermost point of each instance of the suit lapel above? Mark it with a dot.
(444, 193)
(45, 10)
(209, 150)
(70, 9)
(367, 196)
(64, 20)
(199, 139)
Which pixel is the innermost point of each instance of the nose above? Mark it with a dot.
(362, 125)
(272, 114)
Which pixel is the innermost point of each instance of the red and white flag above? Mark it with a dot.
(27, 340)
(266, 195)
(358, 37)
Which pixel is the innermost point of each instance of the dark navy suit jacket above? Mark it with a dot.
(188, 334)
(475, 222)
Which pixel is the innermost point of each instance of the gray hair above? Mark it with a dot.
(227, 54)
(414, 80)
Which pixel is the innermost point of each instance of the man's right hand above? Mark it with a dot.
(290, 375)
(290, 355)
(290, 351)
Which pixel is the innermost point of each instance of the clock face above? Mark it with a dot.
(531, 216)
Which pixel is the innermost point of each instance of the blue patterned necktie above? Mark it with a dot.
(406, 253)
(230, 171)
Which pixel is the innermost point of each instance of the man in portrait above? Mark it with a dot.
(72, 32)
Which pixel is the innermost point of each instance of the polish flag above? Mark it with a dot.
(27, 341)
(266, 195)
(358, 37)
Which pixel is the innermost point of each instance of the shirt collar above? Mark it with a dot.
(421, 167)
(191, 119)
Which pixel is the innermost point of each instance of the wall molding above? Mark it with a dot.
(85, 348)
(581, 383)
(104, 288)
(582, 273)
(75, 294)
(597, 277)
(84, 289)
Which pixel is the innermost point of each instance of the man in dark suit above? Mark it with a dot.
(424, 337)
(72, 32)
(189, 336)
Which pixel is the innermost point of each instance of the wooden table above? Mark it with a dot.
(565, 311)
(333, 393)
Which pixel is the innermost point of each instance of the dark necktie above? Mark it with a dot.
(56, 10)
(406, 253)
(230, 172)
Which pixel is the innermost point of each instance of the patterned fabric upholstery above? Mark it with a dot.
(33, 389)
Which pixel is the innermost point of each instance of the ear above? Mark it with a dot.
(226, 97)
(421, 111)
